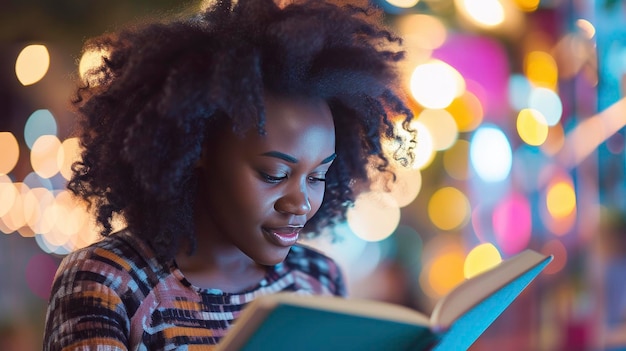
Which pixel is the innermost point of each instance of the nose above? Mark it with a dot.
(295, 201)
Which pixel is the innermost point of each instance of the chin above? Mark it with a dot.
(272, 259)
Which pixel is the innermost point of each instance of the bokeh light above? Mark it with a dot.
(374, 217)
(559, 209)
(8, 194)
(10, 152)
(424, 150)
(480, 259)
(43, 156)
(449, 208)
(532, 127)
(14, 218)
(40, 122)
(561, 199)
(467, 111)
(487, 13)
(541, 70)
(442, 127)
(527, 5)
(548, 103)
(482, 62)
(422, 31)
(40, 271)
(35, 202)
(32, 64)
(435, 84)
(407, 186)
(443, 263)
(490, 154)
(68, 153)
(512, 223)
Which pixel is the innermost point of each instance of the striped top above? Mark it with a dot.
(115, 295)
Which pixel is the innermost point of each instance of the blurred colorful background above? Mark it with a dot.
(520, 115)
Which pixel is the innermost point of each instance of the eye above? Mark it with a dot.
(317, 178)
(272, 179)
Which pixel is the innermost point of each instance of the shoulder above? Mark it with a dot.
(317, 265)
(97, 289)
(119, 261)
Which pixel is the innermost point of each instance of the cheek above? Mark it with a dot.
(316, 196)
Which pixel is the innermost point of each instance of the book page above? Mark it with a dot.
(471, 292)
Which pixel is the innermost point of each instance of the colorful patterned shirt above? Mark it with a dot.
(115, 295)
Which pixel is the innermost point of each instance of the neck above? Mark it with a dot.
(217, 263)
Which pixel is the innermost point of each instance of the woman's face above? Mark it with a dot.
(257, 192)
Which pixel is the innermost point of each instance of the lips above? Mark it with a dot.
(283, 236)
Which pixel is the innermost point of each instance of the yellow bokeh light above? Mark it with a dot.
(561, 199)
(541, 70)
(32, 64)
(442, 127)
(435, 84)
(403, 3)
(10, 152)
(480, 259)
(532, 127)
(449, 208)
(68, 153)
(467, 111)
(43, 156)
(446, 272)
(456, 160)
(527, 5)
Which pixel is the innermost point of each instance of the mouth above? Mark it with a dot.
(283, 236)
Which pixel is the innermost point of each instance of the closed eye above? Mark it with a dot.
(272, 179)
(317, 178)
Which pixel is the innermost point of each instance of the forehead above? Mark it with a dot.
(303, 128)
(287, 116)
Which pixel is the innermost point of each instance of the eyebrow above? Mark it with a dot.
(291, 159)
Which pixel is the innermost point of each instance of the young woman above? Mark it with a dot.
(220, 140)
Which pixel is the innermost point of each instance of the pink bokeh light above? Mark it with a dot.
(484, 64)
(40, 271)
(512, 223)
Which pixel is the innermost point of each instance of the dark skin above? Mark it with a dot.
(257, 192)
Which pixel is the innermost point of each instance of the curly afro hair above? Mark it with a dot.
(146, 112)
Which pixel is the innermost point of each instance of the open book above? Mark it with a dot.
(287, 321)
